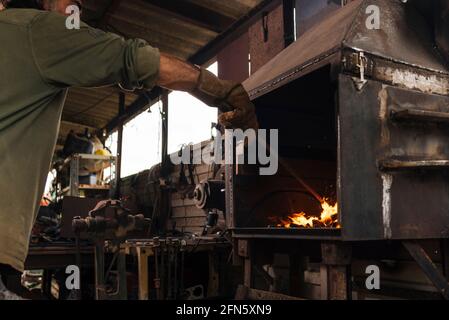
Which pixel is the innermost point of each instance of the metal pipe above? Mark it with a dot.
(157, 280)
(175, 275)
(169, 268)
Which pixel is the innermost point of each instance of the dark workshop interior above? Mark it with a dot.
(362, 117)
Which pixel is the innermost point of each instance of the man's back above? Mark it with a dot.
(30, 110)
(39, 60)
(24, 90)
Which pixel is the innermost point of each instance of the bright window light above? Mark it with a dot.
(141, 148)
(189, 120)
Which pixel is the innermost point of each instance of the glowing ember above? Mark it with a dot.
(327, 219)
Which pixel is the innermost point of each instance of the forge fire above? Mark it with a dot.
(327, 219)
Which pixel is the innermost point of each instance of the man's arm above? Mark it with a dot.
(229, 97)
(175, 74)
(88, 57)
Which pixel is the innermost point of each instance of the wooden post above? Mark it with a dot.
(335, 271)
(214, 276)
(244, 251)
(142, 262)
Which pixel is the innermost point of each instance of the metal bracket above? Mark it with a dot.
(420, 115)
(395, 165)
(360, 65)
(428, 267)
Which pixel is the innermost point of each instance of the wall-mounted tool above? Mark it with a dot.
(210, 194)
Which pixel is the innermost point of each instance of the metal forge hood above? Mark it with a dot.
(406, 36)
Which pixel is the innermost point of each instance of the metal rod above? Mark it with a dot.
(175, 275)
(79, 295)
(118, 169)
(99, 270)
(182, 272)
(169, 268)
(121, 269)
(163, 295)
(157, 280)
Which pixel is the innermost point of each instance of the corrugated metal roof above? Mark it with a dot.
(177, 27)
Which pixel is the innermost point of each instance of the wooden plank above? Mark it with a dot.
(194, 14)
(231, 8)
(142, 262)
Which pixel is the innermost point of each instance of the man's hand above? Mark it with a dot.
(240, 111)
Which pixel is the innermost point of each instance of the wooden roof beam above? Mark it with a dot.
(194, 14)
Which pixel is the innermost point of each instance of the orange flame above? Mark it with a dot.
(327, 219)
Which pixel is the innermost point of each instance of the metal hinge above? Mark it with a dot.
(358, 63)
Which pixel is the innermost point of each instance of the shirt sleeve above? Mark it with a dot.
(89, 57)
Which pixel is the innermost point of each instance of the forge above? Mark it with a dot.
(363, 119)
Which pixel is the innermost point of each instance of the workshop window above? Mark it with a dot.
(189, 120)
(111, 145)
(142, 136)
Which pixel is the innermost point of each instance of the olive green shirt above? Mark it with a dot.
(39, 60)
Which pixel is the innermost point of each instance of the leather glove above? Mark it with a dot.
(230, 98)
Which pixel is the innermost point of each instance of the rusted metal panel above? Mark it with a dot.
(418, 201)
(359, 183)
(377, 199)
(393, 73)
(404, 36)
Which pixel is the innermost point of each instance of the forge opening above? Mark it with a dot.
(304, 111)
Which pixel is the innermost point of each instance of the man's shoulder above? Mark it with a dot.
(20, 17)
